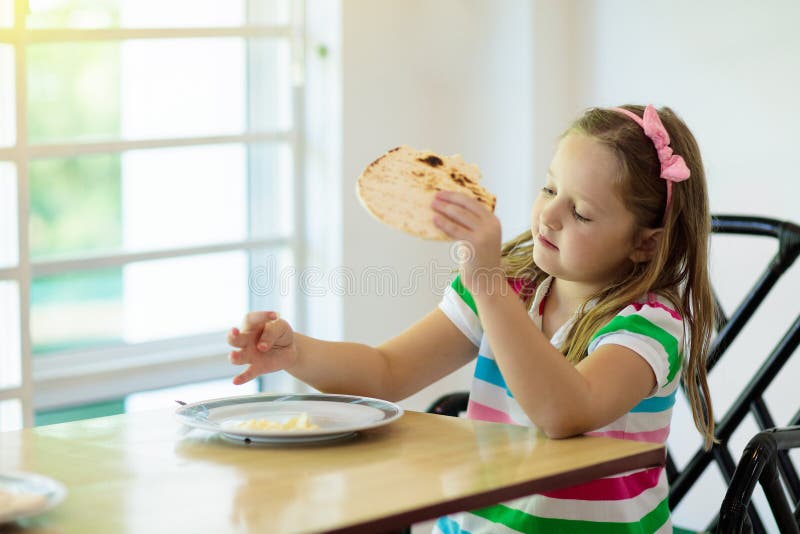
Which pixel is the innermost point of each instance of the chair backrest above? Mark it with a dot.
(761, 463)
(751, 398)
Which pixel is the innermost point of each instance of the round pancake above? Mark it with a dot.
(398, 188)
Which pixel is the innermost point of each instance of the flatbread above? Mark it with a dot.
(398, 188)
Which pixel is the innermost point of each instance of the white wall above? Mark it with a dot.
(449, 76)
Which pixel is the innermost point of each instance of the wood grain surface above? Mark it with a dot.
(146, 473)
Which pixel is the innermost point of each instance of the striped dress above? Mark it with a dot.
(632, 502)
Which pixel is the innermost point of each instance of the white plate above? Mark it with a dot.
(20, 483)
(335, 416)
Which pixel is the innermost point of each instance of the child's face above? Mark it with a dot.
(582, 231)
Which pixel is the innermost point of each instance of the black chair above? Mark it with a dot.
(751, 399)
(761, 462)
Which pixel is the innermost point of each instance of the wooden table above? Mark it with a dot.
(146, 473)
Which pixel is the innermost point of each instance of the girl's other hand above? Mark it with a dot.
(464, 218)
(265, 343)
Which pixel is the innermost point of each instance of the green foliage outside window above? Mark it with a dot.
(74, 95)
(86, 411)
(76, 205)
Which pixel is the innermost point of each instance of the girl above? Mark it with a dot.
(612, 304)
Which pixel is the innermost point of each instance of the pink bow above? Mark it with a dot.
(673, 167)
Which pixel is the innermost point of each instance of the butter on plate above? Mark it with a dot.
(298, 422)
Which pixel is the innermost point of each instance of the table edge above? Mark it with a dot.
(641, 460)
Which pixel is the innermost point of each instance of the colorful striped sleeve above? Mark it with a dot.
(652, 329)
(459, 306)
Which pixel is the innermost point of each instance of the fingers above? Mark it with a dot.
(456, 213)
(255, 320)
(238, 357)
(257, 364)
(260, 331)
(272, 332)
(464, 201)
(248, 342)
(242, 340)
(236, 339)
(252, 328)
(246, 376)
(450, 228)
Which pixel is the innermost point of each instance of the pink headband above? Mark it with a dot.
(673, 168)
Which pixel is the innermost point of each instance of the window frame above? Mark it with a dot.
(75, 377)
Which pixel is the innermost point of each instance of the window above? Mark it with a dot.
(150, 160)
(146, 400)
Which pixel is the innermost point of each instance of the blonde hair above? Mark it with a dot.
(679, 268)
